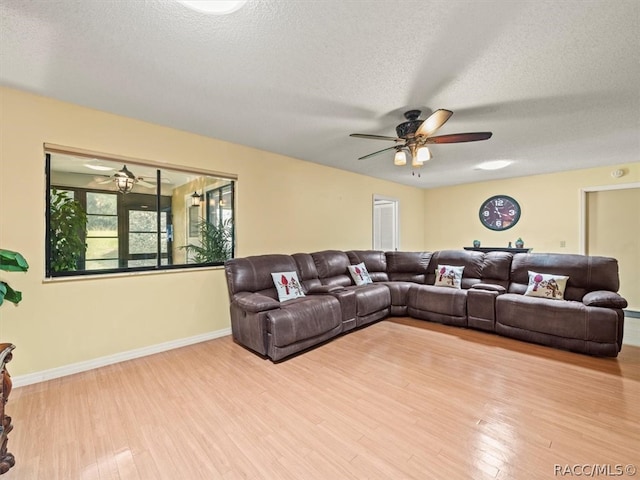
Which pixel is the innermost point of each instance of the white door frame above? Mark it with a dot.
(396, 213)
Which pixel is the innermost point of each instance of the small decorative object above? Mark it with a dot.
(519, 243)
(476, 243)
(509, 246)
(499, 212)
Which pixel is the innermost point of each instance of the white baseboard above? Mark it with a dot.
(42, 376)
(631, 331)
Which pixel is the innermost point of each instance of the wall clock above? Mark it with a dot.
(499, 212)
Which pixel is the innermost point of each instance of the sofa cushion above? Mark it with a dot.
(287, 285)
(303, 318)
(445, 301)
(371, 298)
(586, 273)
(568, 319)
(253, 274)
(473, 263)
(374, 260)
(546, 285)
(331, 266)
(448, 276)
(408, 266)
(359, 274)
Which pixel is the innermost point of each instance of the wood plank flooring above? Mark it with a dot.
(401, 399)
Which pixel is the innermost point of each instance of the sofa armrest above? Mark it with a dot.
(604, 298)
(490, 287)
(324, 289)
(255, 302)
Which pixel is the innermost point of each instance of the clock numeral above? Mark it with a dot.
(485, 213)
(499, 202)
(498, 223)
(512, 212)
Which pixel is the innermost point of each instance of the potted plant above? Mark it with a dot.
(10, 261)
(68, 230)
(215, 242)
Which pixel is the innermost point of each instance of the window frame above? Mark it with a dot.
(162, 207)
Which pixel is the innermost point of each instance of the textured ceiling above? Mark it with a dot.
(557, 82)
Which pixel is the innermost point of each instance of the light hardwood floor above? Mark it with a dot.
(401, 399)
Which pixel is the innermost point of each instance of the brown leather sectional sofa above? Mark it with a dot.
(491, 298)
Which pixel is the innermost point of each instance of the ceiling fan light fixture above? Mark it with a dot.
(124, 180)
(424, 155)
(400, 158)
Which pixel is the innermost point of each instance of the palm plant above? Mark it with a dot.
(216, 242)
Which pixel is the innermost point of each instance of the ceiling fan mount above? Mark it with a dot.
(408, 128)
(414, 135)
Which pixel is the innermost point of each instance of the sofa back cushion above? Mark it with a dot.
(472, 262)
(496, 268)
(331, 266)
(253, 274)
(374, 260)
(408, 266)
(586, 273)
(307, 270)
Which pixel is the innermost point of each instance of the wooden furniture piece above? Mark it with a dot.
(7, 460)
(499, 249)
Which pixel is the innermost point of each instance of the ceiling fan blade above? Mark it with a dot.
(375, 137)
(459, 137)
(376, 153)
(434, 122)
(146, 184)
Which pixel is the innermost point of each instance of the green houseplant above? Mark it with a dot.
(215, 242)
(68, 230)
(11, 262)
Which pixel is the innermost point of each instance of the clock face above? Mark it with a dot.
(499, 212)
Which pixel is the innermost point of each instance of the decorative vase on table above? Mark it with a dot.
(476, 244)
(519, 243)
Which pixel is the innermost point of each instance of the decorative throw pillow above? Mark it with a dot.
(360, 274)
(288, 285)
(546, 285)
(449, 276)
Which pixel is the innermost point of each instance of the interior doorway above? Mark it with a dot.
(611, 226)
(385, 223)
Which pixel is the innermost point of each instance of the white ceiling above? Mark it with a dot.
(557, 82)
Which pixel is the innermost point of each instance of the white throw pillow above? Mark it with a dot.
(546, 285)
(288, 285)
(449, 276)
(360, 274)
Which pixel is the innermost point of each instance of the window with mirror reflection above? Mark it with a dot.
(105, 216)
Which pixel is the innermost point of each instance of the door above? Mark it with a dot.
(385, 223)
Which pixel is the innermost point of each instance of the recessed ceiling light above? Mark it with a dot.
(216, 7)
(494, 164)
(100, 168)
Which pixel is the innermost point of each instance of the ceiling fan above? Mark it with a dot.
(414, 135)
(125, 180)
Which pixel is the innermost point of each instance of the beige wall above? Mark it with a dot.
(284, 205)
(551, 213)
(550, 210)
